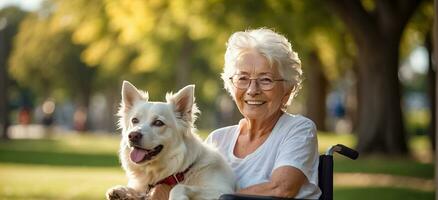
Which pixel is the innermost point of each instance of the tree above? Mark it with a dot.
(162, 45)
(376, 28)
(9, 20)
(423, 22)
(418, 32)
(435, 56)
(45, 60)
(320, 41)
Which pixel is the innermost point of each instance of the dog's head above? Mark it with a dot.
(151, 129)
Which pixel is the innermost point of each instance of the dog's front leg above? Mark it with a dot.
(124, 193)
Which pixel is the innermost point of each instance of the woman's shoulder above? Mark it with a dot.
(222, 132)
(224, 129)
(297, 126)
(295, 120)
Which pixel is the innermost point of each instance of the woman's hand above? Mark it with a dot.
(160, 192)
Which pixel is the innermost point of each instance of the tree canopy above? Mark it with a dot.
(73, 49)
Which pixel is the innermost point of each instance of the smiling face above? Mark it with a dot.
(253, 102)
(153, 129)
(149, 129)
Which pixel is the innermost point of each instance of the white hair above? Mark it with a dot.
(274, 47)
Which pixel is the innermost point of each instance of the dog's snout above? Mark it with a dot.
(134, 137)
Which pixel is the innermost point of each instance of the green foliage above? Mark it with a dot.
(10, 18)
(45, 60)
(73, 49)
(417, 29)
(162, 45)
(159, 45)
(417, 121)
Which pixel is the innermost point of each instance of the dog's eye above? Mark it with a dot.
(134, 120)
(158, 123)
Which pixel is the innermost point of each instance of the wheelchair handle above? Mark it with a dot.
(343, 150)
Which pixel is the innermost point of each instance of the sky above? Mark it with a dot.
(24, 4)
(419, 60)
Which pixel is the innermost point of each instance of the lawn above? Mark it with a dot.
(20, 181)
(84, 166)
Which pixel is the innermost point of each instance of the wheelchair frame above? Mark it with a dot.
(325, 176)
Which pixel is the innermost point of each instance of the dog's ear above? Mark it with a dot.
(184, 103)
(130, 94)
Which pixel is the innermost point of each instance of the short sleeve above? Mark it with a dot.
(213, 138)
(219, 138)
(299, 149)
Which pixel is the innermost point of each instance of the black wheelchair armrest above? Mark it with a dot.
(251, 197)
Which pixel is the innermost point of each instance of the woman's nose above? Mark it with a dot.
(253, 88)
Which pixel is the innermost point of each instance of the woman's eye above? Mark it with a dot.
(243, 78)
(158, 123)
(265, 80)
(134, 120)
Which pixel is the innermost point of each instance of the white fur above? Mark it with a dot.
(209, 175)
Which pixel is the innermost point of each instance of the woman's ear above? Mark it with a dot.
(286, 97)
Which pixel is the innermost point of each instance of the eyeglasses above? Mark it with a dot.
(264, 82)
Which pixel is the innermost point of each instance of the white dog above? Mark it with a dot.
(158, 146)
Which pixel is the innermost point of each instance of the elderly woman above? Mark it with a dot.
(272, 153)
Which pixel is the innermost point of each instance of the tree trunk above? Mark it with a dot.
(316, 95)
(4, 80)
(81, 116)
(183, 66)
(377, 36)
(431, 91)
(381, 128)
(354, 111)
(435, 58)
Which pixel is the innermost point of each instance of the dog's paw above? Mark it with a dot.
(123, 193)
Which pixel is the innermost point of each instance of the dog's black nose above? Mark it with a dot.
(134, 137)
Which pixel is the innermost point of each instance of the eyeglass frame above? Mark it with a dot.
(257, 82)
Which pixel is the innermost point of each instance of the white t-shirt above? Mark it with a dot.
(292, 142)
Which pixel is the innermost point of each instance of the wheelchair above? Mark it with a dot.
(325, 176)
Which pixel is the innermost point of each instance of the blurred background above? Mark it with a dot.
(369, 82)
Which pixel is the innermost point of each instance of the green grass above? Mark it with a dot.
(380, 193)
(419, 145)
(396, 166)
(67, 143)
(67, 167)
(85, 166)
(52, 182)
(79, 150)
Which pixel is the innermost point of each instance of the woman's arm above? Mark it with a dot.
(286, 181)
(160, 192)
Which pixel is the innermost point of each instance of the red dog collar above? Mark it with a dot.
(173, 179)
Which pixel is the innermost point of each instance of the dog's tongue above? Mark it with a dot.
(138, 155)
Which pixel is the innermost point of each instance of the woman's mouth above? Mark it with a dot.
(255, 103)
